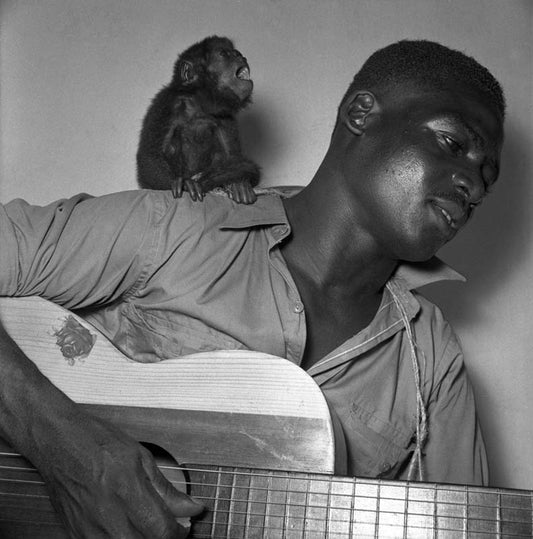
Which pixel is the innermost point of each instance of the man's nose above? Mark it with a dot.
(470, 186)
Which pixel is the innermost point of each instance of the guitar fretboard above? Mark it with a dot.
(250, 504)
(243, 503)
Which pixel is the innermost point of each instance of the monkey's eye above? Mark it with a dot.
(223, 53)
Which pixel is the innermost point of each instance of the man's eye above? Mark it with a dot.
(455, 147)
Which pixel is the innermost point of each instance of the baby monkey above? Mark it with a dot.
(189, 138)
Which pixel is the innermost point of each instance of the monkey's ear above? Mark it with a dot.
(188, 74)
(357, 108)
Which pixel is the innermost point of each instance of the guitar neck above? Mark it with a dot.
(246, 503)
(250, 503)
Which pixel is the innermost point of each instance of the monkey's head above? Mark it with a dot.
(216, 66)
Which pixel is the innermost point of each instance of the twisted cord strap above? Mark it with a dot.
(421, 415)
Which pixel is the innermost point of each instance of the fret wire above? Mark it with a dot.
(352, 511)
(216, 501)
(328, 512)
(268, 503)
(285, 505)
(376, 528)
(231, 507)
(306, 507)
(248, 510)
(499, 516)
(465, 516)
(435, 516)
(406, 512)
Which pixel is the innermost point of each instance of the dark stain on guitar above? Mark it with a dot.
(74, 340)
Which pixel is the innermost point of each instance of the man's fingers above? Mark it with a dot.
(178, 502)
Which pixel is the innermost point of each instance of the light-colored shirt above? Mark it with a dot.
(163, 278)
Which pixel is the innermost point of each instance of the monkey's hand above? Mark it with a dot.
(192, 185)
(241, 192)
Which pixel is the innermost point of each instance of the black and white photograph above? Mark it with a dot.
(265, 269)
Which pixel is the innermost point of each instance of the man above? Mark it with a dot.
(324, 278)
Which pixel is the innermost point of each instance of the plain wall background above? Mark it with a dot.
(76, 78)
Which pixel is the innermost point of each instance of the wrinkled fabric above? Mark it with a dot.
(163, 278)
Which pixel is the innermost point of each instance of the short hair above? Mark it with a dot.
(426, 64)
(200, 51)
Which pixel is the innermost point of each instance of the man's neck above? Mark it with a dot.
(339, 272)
(328, 250)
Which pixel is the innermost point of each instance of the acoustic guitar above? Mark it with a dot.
(248, 434)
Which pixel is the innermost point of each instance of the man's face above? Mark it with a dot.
(423, 165)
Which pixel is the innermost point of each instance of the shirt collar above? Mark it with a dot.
(268, 210)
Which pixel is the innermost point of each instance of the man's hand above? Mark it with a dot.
(102, 483)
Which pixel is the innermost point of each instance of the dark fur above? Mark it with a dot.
(190, 134)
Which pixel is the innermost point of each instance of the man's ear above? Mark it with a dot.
(187, 72)
(357, 109)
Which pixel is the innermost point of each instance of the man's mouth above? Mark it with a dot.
(452, 211)
(243, 73)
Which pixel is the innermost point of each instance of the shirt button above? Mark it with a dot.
(298, 307)
(279, 230)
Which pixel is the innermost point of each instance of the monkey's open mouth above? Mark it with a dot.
(243, 73)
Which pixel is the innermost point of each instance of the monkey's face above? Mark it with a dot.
(230, 68)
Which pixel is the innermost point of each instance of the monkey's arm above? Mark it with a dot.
(163, 159)
(229, 168)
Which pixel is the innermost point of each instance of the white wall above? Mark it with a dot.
(77, 76)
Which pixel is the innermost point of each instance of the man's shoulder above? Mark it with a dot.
(217, 210)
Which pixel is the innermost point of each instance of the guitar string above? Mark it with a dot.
(286, 491)
(335, 496)
(412, 525)
(411, 515)
(355, 527)
(410, 496)
(335, 500)
(443, 525)
(326, 479)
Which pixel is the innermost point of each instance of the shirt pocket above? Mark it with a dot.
(376, 447)
(170, 335)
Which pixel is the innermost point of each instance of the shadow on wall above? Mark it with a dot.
(262, 139)
(491, 248)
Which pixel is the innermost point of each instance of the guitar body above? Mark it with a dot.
(253, 436)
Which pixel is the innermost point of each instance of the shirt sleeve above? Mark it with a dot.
(455, 451)
(80, 251)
